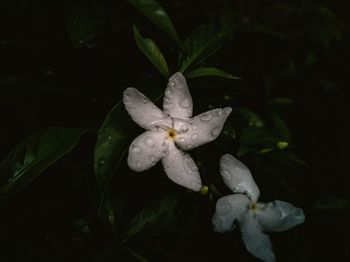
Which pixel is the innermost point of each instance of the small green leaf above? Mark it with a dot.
(159, 213)
(201, 44)
(156, 14)
(280, 126)
(33, 155)
(111, 146)
(210, 71)
(250, 117)
(84, 19)
(150, 49)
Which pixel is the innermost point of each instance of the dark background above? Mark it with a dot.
(48, 78)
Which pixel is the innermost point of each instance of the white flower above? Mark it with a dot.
(171, 130)
(253, 217)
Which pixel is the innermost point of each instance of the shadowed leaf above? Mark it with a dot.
(33, 155)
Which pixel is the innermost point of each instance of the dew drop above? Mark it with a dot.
(152, 158)
(215, 131)
(180, 93)
(168, 91)
(138, 164)
(206, 117)
(226, 174)
(167, 100)
(171, 83)
(194, 137)
(182, 139)
(131, 110)
(189, 146)
(185, 103)
(149, 141)
(220, 112)
(136, 149)
(194, 127)
(101, 162)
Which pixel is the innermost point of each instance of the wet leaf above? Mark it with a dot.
(250, 117)
(280, 126)
(210, 71)
(156, 14)
(151, 50)
(33, 155)
(201, 44)
(159, 213)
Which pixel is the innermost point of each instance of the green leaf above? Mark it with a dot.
(254, 138)
(331, 204)
(210, 71)
(159, 213)
(280, 126)
(84, 19)
(111, 146)
(156, 14)
(201, 44)
(33, 155)
(250, 117)
(150, 49)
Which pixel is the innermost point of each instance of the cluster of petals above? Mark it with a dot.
(171, 132)
(254, 218)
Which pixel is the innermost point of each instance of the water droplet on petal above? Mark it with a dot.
(171, 83)
(180, 93)
(138, 164)
(168, 91)
(149, 141)
(136, 149)
(215, 131)
(152, 158)
(194, 127)
(206, 116)
(185, 103)
(182, 139)
(220, 112)
(189, 146)
(131, 110)
(226, 174)
(167, 100)
(194, 137)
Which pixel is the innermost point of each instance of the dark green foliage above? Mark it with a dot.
(66, 192)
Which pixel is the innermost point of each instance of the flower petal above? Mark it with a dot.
(203, 128)
(143, 111)
(238, 177)
(177, 100)
(279, 215)
(181, 168)
(257, 243)
(146, 150)
(229, 209)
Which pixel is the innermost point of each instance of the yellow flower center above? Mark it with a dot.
(252, 206)
(171, 133)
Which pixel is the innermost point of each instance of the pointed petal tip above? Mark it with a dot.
(228, 110)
